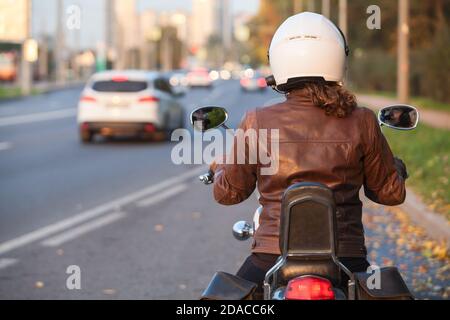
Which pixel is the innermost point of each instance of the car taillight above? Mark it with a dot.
(245, 81)
(262, 82)
(88, 99)
(309, 288)
(149, 127)
(149, 99)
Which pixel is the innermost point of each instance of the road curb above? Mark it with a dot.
(435, 225)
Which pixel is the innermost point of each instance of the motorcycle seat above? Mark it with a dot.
(298, 266)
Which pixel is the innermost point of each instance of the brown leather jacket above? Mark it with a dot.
(343, 154)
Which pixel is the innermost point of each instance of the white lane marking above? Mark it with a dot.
(5, 263)
(92, 213)
(5, 146)
(83, 229)
(161, 196)
(110, 218)
(36, 117)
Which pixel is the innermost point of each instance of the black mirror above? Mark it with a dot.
(401, 117)
(207, 118)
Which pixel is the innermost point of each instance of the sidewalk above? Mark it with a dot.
(44, 87)
(433, 118)
(435, 225)
(52, 86)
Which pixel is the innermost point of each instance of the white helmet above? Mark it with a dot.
(308, 45)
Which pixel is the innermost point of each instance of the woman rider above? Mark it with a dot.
(323, 137)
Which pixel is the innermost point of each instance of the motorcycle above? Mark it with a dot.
(308, 268)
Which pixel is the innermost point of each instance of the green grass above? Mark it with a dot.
(427, 103)
(384, 94)
(420, 102)
(9, 92)
(426, 152)
(13, 92)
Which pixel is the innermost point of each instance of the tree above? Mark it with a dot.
(270, 15)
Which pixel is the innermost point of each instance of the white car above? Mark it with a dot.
(253, 81)
(128, 102)
(199, 77)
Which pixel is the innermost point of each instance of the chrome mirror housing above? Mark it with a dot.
(242, 230)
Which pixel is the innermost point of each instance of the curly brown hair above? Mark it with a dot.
(331, 97)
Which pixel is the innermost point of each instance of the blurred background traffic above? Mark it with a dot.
(77, 188)
(69, 40)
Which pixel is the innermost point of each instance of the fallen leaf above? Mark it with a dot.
(422, 269)
(109, 292)
(196, 215)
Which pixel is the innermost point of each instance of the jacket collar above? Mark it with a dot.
(299, 96)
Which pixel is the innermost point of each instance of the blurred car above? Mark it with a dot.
(178, 81)
(253, 81)
(8, 69)
(199, 77)
(128, 102)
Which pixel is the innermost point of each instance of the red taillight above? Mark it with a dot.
(245, 81)
(148, 99)
(309, 288)
(88, 99)
(119, 79)
(149, 127)
(262, 83)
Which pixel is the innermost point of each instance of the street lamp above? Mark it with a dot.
(28, 56)
(30, 50)
(403, 52)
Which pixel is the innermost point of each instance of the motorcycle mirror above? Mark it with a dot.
(242, 230)
(400, 117)
(207, 118)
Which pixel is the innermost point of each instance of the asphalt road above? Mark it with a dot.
(137, 225)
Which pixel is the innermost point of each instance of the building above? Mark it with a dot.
(202, 23)
(163, 39)
(13, 20)
(126, 34)
(210, 18)
(224, 27)
(241, 30)
(110, 32)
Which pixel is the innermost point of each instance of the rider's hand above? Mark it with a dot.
(401, 168)
(213, 167)
(219, 160)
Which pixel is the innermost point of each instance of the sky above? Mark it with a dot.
(92, 27)
(238, 5)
